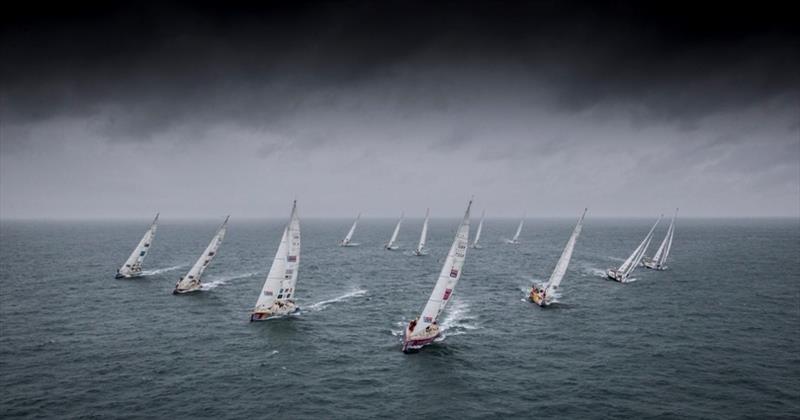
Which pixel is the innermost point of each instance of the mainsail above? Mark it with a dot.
(448, 277)
(666, 245)
(191, 281)
(478, 232)
(515, 239)
(282, 277)
(390, 244)
(633, 260)
(423, 237)
(133, 266)
(563, 262)
(349, 237)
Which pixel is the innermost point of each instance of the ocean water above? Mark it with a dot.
(716, 336)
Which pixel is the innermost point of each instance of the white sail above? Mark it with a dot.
(663, 251)
(423, 237)
(478, 232)
(192, 279)
(448, 277)
(519, 230)
(349, 236)
(282, 277)
(133, 265)
(563, 261)
(633, 260)
(390, 244)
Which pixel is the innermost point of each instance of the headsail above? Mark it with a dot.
(133, 265)
(191, 281)
(423, 237)
(390, 244)
(448, 277)
(633, 260)
(563, 261)
(349, 237)
(478, 232)
(280, 283)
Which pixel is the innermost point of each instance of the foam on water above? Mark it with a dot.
(219, 281)
(457, 320)
(322, 304)
(162, 270)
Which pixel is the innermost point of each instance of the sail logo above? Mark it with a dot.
(427, 319)
(267, 293)
(447, 293)
(291, 258)
(454, 273)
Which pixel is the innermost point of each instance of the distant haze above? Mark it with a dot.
(121, 111)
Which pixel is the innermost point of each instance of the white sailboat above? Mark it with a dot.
(543, 295)
(191, 281)
(658, 262)
(133, 265)
(423, 237)
(347, 241)
(391, 245)
(478, 232)
(424, 329)
(515, 239)
(275, 298)
(624, 271)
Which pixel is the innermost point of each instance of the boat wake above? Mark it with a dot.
(321, 305)
(457, 321)
(161, 270)
(213, 284)
(596, 272)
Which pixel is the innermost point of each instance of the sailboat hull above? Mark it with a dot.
(185, 291)
(391, 248)
(512, 242)
(273, 314)
(653, 265)
(127, 276)
(539, 300)
(613, 275)
(414, 344)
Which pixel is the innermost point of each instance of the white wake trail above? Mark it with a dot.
(161, 270)
(321, 305)
(216, 282)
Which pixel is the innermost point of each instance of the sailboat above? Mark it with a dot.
(347, 239)
(424, 329)
(275, 299)
(191, 281)
(133, 265)
(420, 251)
(515, 239)
(543, 295)
(478, 232)
(391, 246)
(622, 273)
(658, 261)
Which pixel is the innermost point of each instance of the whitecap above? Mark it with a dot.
(322, 304)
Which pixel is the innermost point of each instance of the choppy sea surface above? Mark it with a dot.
(715, 336)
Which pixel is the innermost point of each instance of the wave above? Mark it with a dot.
(597, 272)
(223, 280)
(322, 304)
(457, 321)
(161, 270)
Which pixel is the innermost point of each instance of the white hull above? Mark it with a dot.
(653, 266)
(391, 248)
(512, 241)
(613, 275)
(348, 244)
(185, 291)
(420, 253)
(418, 340)
(276, 311)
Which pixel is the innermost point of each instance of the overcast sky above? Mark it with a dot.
(196, 111)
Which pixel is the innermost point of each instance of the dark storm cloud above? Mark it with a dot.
(142, 69)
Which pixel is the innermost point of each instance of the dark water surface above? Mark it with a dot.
(717, 336)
